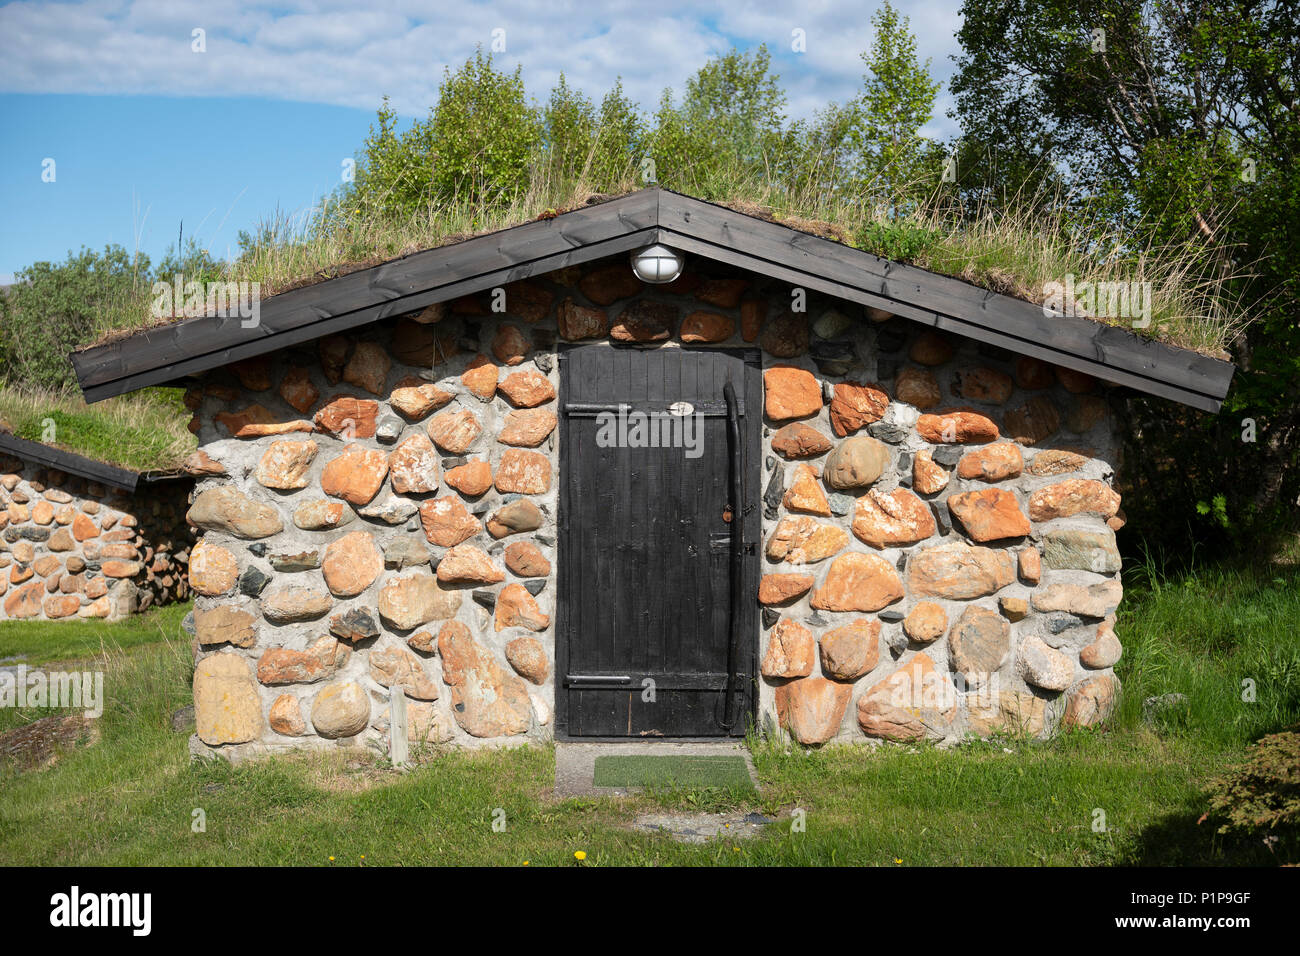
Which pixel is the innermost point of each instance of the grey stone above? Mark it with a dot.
(355, 623)
(939, 507)
(389, 428)
(405, 552)
(258, 548)
(486, 598)
(887, 432)
(253, 580)
(535, 586)
(187, 624)
(947, 455)
(1056, 623)
(890, 338)
(841, 504)
(770, 617)
(183, 719)
(290, 562)
(1163, 706)
(892, 615)
(772, 496)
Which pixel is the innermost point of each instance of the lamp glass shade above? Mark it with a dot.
(657, 264)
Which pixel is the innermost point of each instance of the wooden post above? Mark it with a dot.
(398, 746)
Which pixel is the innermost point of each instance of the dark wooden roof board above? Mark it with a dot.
(165, 353)
(49, 456)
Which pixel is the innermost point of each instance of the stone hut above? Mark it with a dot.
(83, 539)
(789, 485)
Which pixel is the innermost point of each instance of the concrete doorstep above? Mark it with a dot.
(575, 763)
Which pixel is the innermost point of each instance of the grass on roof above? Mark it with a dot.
(143, 431)
(1007, 250)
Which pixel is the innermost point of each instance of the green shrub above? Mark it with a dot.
(899, 240)
(1262, 795)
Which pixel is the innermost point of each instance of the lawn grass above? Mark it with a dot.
(1125, 794)
(39, 642)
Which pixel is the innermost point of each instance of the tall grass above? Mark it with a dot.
(1015, 248)
(142, 431)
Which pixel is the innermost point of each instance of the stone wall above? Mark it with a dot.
(74, 548)
(378, 510)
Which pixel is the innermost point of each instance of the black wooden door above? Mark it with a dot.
(654, 544)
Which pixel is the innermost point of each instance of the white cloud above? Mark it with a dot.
(325, 51)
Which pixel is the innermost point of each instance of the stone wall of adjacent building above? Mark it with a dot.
(72, 548)
(377, 510)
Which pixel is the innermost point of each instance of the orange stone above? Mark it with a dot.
(798, 440)
(707, 327)
(804, 540)
(858, 582)
(1074, 382)
(983, 385)
(1071, 497)
(1035, 420)
(782, 588)
(930, 348)
(256, 421)
(83, 528)
(356, 475)
(413, 466)
(580, 321)
(925, 623)
(527, 389)
(994, 462)
(368, 368)
(351, 563)
(523, 472)
(608, 284)
(927, 477)
(790, 393)
(855, 405)
(454, 431)
(956, 426)
(753, 312)
(25, 601)
(527, 427)
(722, 293)
(917, 386)
(297, 390)
(958, 571)
(416, 398)
(1031, 565)
(1033, 374)
(850, 651)
(989, 514)
(347, 417)
(213, 569)
(790, 648)
(886, 519)
(516, 607)
(526, 560)
(468, 564)
(446, 522)
(805, 493)
(470, 479)
(480, 377)
(812, 708)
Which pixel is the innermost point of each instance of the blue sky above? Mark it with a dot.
(146, 132)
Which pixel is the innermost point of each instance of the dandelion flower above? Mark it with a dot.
(580, 855)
